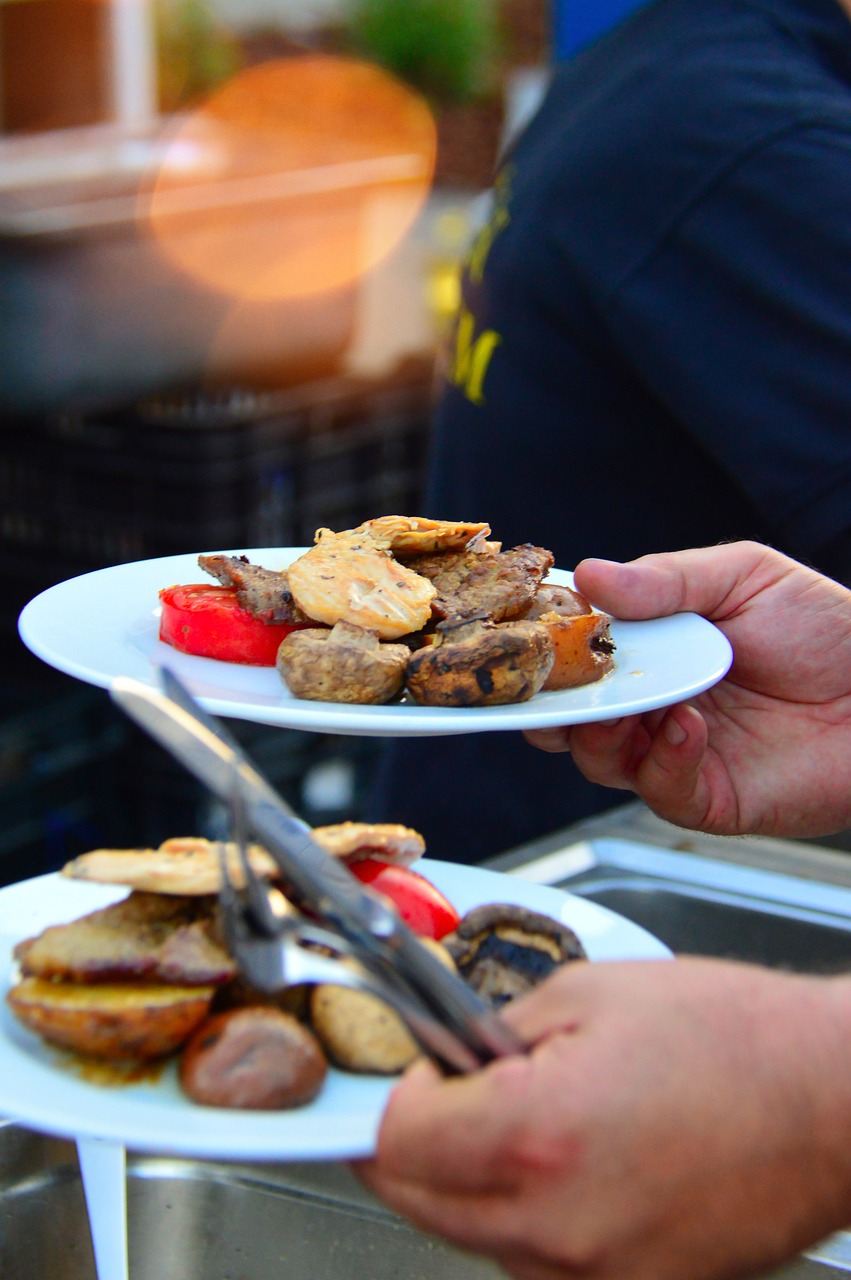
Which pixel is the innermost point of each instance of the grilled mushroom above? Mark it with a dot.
(344, 664)
(504, 950)
(479, 663)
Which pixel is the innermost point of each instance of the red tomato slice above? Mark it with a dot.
(418, 902)
(209, 622)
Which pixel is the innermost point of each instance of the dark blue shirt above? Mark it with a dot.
(654, 346)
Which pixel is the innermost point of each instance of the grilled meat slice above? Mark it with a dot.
(148, 936)
(265, 593)
(472, 584)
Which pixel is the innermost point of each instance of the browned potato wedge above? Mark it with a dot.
(110, 1020)
(360, 1032)
(583, 647)
(582, 638)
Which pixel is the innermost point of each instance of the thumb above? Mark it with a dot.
(706, 581)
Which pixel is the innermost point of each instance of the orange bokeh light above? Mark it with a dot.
(297, 177)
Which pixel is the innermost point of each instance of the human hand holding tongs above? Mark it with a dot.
(274, 939)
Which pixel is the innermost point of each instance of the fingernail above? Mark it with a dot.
(674, 732)
(610, 724)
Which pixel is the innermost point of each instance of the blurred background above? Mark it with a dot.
(230, 233)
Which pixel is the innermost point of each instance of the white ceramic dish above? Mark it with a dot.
(105, 624)
(40, 1088)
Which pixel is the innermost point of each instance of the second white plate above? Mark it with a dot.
(40, 1088)
(106, 624)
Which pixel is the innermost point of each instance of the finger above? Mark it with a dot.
(609, 754)
(454, 1133)
(551, 740)
(670, 778)
(707, 580)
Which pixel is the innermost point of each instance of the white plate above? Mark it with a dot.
(39, 1087)
(106, 624)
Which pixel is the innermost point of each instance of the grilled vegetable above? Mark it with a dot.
(108, 1020)
(210, 622)
(256, 1059)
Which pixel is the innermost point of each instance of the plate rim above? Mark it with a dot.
(252, 1136)
(583, 705)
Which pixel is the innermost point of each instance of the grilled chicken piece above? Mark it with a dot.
(345, 664)
(190, 865)
(409, 536)
(389, 841)
(499, 586)
(145, 936)
(479, 663)
(265, 593)
(350, 577)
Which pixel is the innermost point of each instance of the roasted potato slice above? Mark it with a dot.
(361, 1033)
(110, 1020)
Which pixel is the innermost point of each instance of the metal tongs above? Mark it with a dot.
(326, 926)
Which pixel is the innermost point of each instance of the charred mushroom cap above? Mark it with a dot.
(503, 950)
(479, 663)
(344, 664)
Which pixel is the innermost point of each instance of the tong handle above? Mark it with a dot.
(435, 1002)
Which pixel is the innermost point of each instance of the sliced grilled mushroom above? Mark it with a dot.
(344, 664)
(504, 950)
(479, 663)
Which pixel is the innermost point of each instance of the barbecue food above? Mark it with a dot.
(407, 537)
(503, 950)
(146, 936)
(190, 865)
(105, 1020)
(265, 593)
(361, 1033)
(498, 585)
(255, 1058)
(582, 639)
(345, 664)
(350, 577)
(479, 663)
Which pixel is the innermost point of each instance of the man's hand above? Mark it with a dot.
(768, 750)
(685, 1120)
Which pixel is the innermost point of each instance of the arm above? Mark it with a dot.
(768, 749)
(675, 1121)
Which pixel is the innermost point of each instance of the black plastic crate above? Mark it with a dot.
(60, 761)
(202, 473)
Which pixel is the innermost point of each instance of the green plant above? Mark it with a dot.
(195, 52)
(448, 49)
